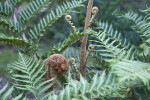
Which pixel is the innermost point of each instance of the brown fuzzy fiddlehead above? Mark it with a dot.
(56, 64)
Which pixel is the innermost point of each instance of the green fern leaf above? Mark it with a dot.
(100, 87)
(72, 38)
(5, 92)
(17, 42)
(53, 16)
(14, 3)
(141, 26)
(5, 9)
(12, 26)
(110, 45)
(112, 50)
(33, 8)
(127, 70)
(29, 75)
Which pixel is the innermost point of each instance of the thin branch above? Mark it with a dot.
(84, 40)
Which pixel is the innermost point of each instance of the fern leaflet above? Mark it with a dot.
(5, 9)
(5, 92)
(11, 25)
(72, 38)
(17, 42)
(141, 26)
(127, 70)
(29, 76)
(29, 12)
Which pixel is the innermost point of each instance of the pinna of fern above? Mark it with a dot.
(141, 25)
(24, 72)
(12, 26)
(128, 70)
(5, 9)
(17, 42)
(6, 93)
(72, 38)
(109, 44)
(32, 9)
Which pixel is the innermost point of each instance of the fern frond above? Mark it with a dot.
(5, 9)
(53, 16)
(29, 75)
(6, 92)
(112, 33)
(144, 57)
(33, 8)
(16, 41)
(112, 47)
(72, 38)
(100, 87)
(141, 26)
(109, 44)
(10, 25)
(127, 70)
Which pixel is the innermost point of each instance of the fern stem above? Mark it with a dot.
(84, 40)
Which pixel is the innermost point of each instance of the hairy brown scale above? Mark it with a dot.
(58, 64)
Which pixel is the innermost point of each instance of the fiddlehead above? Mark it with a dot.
(72, 60)
(68, 19)
(94, 11)
(56, 64)
(90, 49)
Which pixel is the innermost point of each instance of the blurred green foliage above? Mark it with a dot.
(6, 57)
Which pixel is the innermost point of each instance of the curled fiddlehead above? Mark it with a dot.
(72, 61)
(90, 49)
(94, 11)
(56, 64)
(68, 19)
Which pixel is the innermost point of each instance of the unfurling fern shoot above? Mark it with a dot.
(56, 64)
(68, 19)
